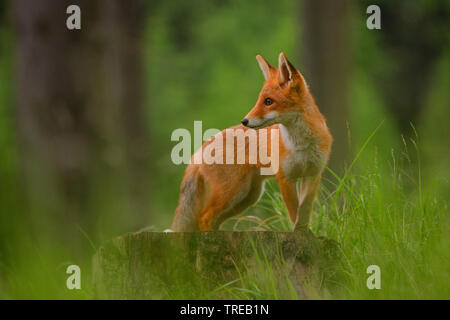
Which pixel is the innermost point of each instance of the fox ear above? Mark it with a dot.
(288, 73)
(265, 66)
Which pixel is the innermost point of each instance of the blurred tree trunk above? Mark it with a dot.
(413, 36)
(325, 53)
(79, 111)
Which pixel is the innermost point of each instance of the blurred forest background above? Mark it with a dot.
(86, 115)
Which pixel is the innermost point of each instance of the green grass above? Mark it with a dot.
(389, 219)
(268, 280)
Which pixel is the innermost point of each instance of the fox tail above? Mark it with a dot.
(189, 202)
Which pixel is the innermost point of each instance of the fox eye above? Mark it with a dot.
(268, 101)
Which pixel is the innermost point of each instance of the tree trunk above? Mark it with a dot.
(325, 50)
(79, 111)
(413, 37)
(154, 265)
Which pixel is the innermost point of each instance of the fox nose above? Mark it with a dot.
(244, 122)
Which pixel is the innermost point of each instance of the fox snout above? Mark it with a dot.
(258, 123)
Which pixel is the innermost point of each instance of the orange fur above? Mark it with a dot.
(211, 193)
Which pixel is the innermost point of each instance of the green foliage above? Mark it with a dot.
(213, 77)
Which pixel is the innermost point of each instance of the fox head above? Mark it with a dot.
(282, 98)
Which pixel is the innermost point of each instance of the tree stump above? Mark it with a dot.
(219, 264)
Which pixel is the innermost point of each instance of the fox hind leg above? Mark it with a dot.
(222, 206)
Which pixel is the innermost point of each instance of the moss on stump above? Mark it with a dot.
(199, 265)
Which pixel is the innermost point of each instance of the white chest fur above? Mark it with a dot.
(304, 158)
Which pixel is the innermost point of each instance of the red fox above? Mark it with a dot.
(212, 193)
